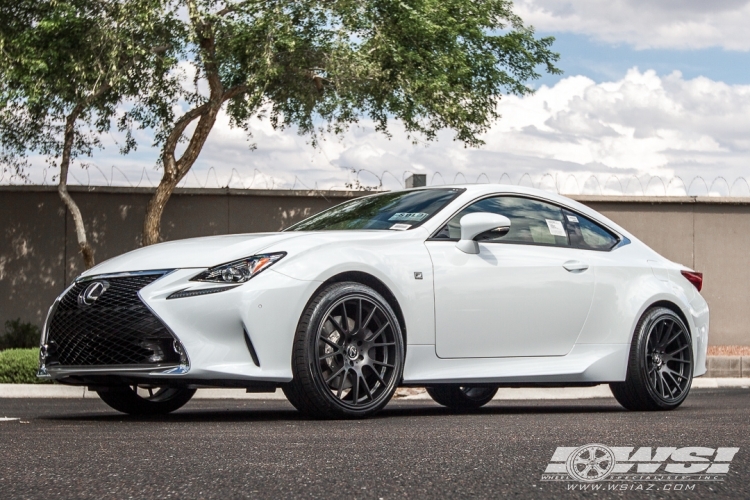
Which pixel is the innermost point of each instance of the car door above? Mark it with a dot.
(526, 293)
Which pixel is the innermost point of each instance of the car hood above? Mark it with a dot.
(214, 250)
(194, 252)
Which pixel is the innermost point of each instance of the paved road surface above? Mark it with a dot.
(264, 449)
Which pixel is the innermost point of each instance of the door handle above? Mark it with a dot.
(575, 266)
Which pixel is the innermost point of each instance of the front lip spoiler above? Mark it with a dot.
(160, 369)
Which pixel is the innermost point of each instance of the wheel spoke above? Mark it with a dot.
(330, 342)
(328, 355)
(660, 380)
(355, 388)
(679, 350)
(677, 360)
(377, 374)
(672, 339)
(675, 383)
(369, 318)
(672, 372)
(344, 320)
(334, 375)
(337, 326)
(341, 385)
(383, 344)
(366, 387)
(663, 334)
(379, 332)
(374, 362)
(358, 326)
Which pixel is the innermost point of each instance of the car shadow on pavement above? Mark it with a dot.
(282, 412)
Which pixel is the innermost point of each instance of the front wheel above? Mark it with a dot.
(348, 354)
(462, 397)
(660, 367)
(146, 400)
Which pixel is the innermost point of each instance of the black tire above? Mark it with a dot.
(159, 401)
(329, 354)
(660, 366)
(462, 398)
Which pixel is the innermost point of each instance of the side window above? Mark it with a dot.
(531, 221)
(587, 234)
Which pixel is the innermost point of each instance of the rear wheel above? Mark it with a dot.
(660, 368)
(462, 397)
(348, 354)
(146, 400)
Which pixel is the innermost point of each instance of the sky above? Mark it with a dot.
(654, 100)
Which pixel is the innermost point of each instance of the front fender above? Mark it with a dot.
(404, 266)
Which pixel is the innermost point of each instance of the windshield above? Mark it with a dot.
(399, 211)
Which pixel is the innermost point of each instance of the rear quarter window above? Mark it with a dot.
(587, 234)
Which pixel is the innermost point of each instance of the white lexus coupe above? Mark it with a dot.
(458, 289)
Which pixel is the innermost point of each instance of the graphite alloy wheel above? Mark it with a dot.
(660, 368)
(146, 400)
(348, 354)
(462, 397)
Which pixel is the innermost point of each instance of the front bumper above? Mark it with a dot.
(239, 337)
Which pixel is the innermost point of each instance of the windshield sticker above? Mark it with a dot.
(573, 218)
(555, 227)
(408, 217)
(400, 227)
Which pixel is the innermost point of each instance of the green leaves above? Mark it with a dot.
(431, 64)
(82, 57)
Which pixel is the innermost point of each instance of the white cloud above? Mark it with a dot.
(674, 24)
(624, 132)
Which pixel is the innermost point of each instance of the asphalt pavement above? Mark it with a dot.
(79, 448)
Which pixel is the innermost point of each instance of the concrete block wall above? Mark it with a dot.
(728, 366)
(39, 254)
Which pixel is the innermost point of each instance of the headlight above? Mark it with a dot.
(241, 270)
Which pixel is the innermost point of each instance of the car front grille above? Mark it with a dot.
(114, 329)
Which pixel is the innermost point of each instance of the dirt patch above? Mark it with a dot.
(403, 392)
(729, 350)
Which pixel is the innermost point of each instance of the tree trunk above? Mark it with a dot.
(176, 169)
(62, 187)
(155, 209)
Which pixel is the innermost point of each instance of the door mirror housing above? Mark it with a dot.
(475, 227)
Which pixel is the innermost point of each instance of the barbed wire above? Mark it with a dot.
(365, 179)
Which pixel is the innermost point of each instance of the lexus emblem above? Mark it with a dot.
(92, 292)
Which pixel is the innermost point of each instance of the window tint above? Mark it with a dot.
(587, 234)
(531, 221)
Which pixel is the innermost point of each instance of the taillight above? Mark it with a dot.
(695, 278)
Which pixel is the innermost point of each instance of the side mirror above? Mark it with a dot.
(476, 225)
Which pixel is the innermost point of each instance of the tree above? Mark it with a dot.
(65, 67)
(322, 65)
